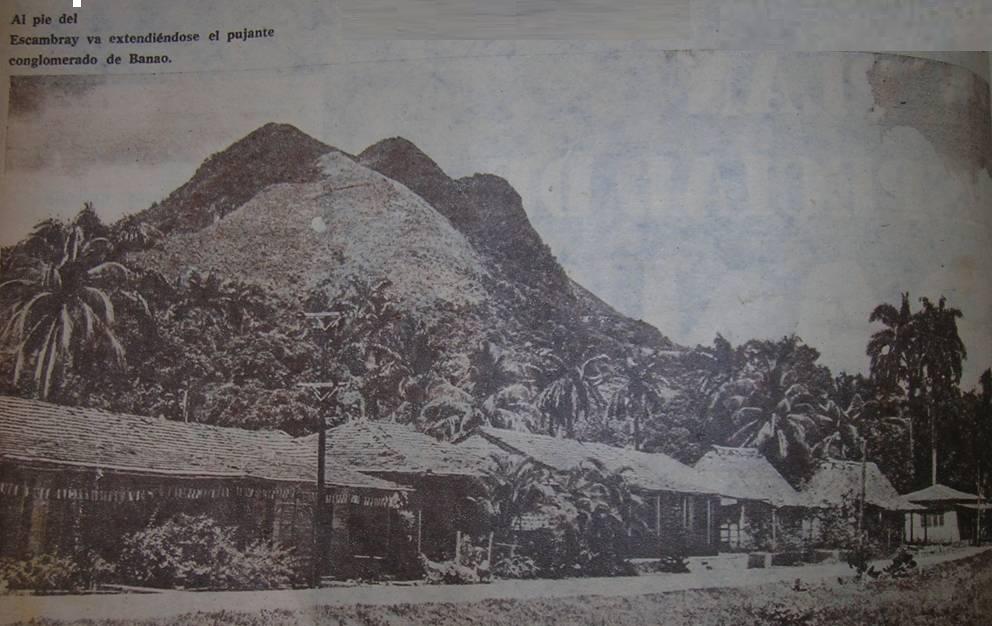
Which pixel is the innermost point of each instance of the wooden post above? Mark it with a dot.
(861, 500)
(318, 505)
(389, 525)
(458, 546)
(774, 528)
(709, 522)
(489, 552)
(657, 519)
(420, 522)
(740, 527)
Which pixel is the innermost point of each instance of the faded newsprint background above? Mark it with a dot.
(708, 169)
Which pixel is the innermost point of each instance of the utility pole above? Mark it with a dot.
(322, 391)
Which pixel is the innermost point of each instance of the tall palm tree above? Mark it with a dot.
(60, 296)
(941, 356)
(895, 359)
(893, 350)
(568, 378)
(642, 393)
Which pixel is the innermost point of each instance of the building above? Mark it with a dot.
(835, 492)
(444, 477)
(948, 516)
(680, 509)
(74, 478)
(758, 503)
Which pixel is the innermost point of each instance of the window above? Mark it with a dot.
(931, 520)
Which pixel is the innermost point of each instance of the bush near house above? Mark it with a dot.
(47, 573)
(193, 551)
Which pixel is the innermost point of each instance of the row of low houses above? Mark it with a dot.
(72, 477)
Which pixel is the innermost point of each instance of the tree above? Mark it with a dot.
(941, 356)
(843, 439)
(568, 377)
(61, 300)
(771, 404)
(893, 350)
(920, 355)
(603, 510)
(642, 393)
(514, 487)
(354, 341)
(401, 367)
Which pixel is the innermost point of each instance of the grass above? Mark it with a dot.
(957, 593)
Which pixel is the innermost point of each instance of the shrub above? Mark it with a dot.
(195, 552)
(41, 573)
(449, 572)
(49, 572)
(671, 564)
(903, 564)
(515, 566)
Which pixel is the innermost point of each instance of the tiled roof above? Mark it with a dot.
(940, 493)
(835, 481)
(647, 470)
(743, 473)
(378, 446)
(33, 431)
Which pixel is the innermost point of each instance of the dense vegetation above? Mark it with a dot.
(85, 325)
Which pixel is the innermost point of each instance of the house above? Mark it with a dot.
(680, 511)
(758, 503)
(948, 516)
(835, 490)
(74, 477)
(444, 477)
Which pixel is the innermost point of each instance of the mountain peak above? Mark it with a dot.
(275, 132)
(402, 159)
(274, 153)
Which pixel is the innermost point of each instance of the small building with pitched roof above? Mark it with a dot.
(74, 476)
(835, 490)
(445, 478)
(757, 501)
(680, 511)
(948, 516)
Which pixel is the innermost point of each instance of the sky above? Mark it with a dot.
(747, 194)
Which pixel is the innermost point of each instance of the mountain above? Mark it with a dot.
(281, 209)
(279, 224)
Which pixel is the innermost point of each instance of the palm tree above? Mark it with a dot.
(941, 355)
(400, 365)
(514, 487)
(770, 406)
(568, 378)
(895, 358)
(603, 509)
(61, 300)
(843, 439)
(642, 394)
(502, 396)
(893, 350)
(490, 370)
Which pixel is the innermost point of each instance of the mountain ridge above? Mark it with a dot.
(524, 280)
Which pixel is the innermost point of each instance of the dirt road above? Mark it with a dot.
(173, 603)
